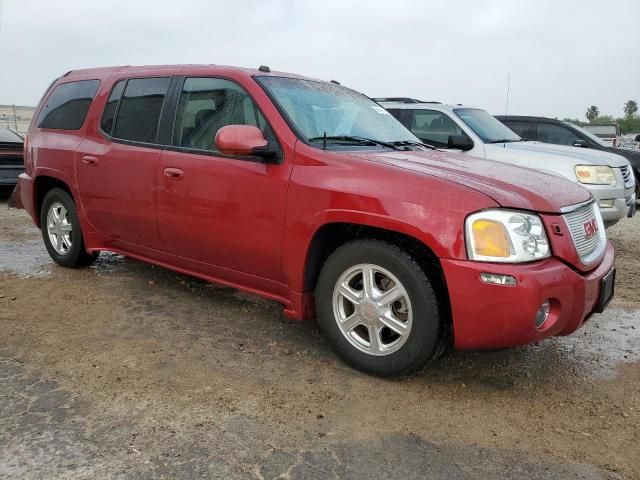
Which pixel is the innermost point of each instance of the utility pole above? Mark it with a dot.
(15, 120)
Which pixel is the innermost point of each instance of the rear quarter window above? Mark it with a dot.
(67, 106)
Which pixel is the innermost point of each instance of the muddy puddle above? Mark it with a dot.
(24, 258)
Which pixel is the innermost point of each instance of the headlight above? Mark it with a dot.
(506, 236)
(596, 174)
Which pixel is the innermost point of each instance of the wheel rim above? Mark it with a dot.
(59, 228)
(372, 309)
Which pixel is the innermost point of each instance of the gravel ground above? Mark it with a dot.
(123, 370)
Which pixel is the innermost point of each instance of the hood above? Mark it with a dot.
(578, 156)
(508, 185)
(632, 155)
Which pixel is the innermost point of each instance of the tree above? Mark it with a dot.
(575, 121)
(604, 119)
(592, 113)
(630, 108)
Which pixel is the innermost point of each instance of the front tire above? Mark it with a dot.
(377, 309)
(61, 230)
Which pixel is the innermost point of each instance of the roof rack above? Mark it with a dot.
(401, 100)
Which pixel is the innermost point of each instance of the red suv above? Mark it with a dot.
(311, 194)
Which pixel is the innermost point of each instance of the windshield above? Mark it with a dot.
(316, 109)
(488, 128)
(588, 134)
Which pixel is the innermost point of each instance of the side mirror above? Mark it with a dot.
(581, 143)
(459, 142)
(243, 140)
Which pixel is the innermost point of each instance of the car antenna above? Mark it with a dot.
(324, 141)
(506, 108)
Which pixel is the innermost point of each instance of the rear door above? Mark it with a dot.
(218, 209)
(117, 161)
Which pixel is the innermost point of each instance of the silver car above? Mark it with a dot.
(607, 176)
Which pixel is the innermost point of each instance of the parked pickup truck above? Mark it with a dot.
(477, 133)
(311, 194)
(608, 132)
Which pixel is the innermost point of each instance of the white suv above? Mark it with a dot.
(608, 176)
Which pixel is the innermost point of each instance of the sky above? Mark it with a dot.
(560, 55)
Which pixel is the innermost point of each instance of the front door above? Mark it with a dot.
(220, 210)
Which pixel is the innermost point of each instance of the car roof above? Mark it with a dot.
(402, 102)
(178, 69)
(529, 118)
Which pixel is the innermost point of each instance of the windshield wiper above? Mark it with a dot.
(413, 142)
(504, 140)
(353, 138)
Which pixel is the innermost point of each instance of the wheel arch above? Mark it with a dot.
(42, 185)
(328, 237)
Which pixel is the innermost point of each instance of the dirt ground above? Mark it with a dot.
(124, 370)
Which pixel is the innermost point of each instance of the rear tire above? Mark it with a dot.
(61, 230)
(389, 325)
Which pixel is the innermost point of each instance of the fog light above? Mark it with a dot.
(498, 279)
(543, 314)
(605, 203)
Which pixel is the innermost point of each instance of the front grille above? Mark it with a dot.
(627, 176)
(589, 248)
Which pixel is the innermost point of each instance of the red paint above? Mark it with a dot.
(250, 224)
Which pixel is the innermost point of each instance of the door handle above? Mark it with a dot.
(90, 161)
(174, 173)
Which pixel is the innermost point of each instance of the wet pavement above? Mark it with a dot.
(124, 370)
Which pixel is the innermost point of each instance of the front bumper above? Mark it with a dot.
(623, 202)
(494, 316)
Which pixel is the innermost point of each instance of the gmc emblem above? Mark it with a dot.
(590, 228)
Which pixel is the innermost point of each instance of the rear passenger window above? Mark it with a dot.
(208, 104)
(68, 104)
(140, 107)
(110, 109)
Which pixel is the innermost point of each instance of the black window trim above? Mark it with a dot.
(135, 143)
(47, 95)
(172, 118)
(117, 109)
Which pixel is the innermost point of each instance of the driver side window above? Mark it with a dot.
(549, 133)
(433, 127)
(208, 104)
